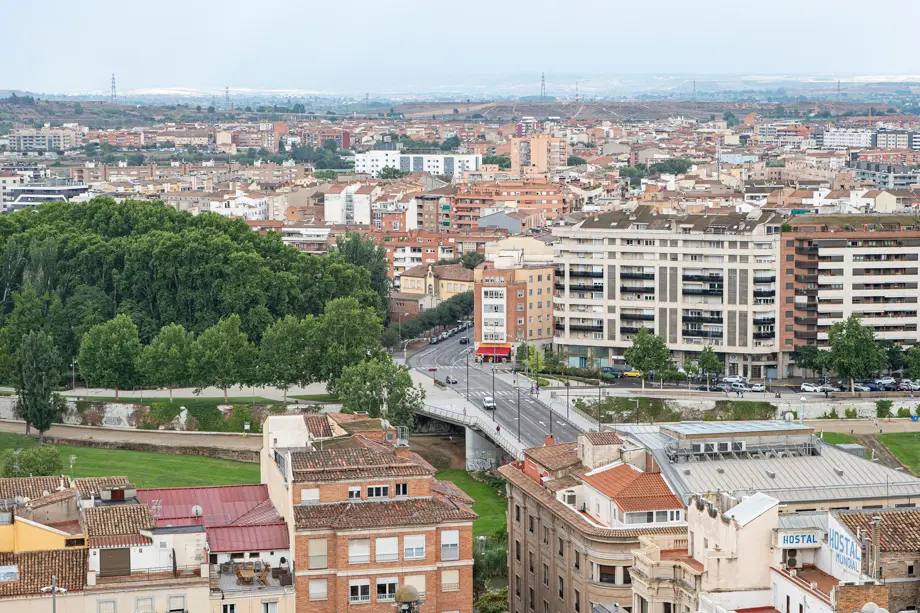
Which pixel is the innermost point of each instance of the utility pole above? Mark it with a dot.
(694, 91)
(54, 590)
(114, 94)
(542, 86)
(495, 410)
(227, 96)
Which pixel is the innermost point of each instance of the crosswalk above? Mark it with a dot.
(508, 394)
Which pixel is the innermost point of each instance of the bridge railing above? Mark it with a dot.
(509, 444)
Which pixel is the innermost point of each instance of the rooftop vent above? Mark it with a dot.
(771, 474)
(720, 470)
(686, 471)
(839, 472)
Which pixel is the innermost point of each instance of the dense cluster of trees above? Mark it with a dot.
(574, 160)
(446, 314)
(503, 161)
(674, 166)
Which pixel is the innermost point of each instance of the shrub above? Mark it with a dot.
(903, 411)
(742, 410)
(849, 413)
(440, 383)
(831, 415)
(42, 461)
(883, 408)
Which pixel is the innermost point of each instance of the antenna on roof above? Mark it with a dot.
(197, 510)
(155, 507)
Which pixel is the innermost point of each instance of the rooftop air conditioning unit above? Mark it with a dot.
(570, 498)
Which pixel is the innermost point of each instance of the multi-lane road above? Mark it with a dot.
(512, 394)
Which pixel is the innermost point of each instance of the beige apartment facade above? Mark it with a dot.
(538, 154)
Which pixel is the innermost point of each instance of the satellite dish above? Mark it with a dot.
(197, 511)
(869, 607)
(384, 424)
(407, 594)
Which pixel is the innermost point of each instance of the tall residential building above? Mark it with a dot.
(432, 162)
(538, 154)
(366, 516)
(837, 265)
(45, 139)
(695, 280)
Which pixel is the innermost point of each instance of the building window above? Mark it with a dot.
(546, 535)
(530, 560)
(530, 599)
(910, 570)
(143, 605)
(309, 494)
(359, 590)
(627, 578)
(227, 608)
(359, 551)
(577, 563)
(319, 589)
(546, 575)
(517, 586)
(108, 606)
(450, 580)
(402, 489)
(387, 549)
(386, 589)
(450, 545)
(530, 524)
(561, 547)
(414, 547)
(517, 513)
(378, 491)
(545, 607)
(316, 553)
(667, 607)
(354, 493)
(561, 587)
(517, 550)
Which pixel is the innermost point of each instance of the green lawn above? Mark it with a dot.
(197, 399)
(146, 469)
(836, 438)
(491, 507)
(317, 397)
(905, 446)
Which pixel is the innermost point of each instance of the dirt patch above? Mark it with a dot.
(441, 451)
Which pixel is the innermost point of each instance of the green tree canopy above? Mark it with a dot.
(108, 354)
(382, 389)
(388, 172)
(41, 461)
(574, 160)
(360, 251)
(503, 161)
(166, 361)
(38, 364)
(854, 353)
(472, 259)
(285, 355)
(810, 358)
(222, 356)
(709, 362)
(347, 334)
(648, 352)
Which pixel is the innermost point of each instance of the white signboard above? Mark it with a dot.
(799, 540)
(9, 574)
(845, 549)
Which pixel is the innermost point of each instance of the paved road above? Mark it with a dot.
(450, 358)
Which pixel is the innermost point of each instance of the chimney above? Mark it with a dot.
(549, 440)
(401, 451)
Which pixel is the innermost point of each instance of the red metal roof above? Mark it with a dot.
(220, 505)
(267, 537)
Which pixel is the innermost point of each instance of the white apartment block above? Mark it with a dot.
(436, 163)
(45, 139)
(843, 138)
(695, 280)
(349, 204)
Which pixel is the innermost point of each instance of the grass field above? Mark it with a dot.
(490, 506)
(836, 438)
(905, 446)
(317, 397)
(197, 399)
(146, 469)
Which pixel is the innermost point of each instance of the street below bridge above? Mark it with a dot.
(512, 393)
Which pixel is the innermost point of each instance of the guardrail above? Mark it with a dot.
(509, 445)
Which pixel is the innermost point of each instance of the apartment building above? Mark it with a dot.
(45, 139)
(834, 266)
(538, 197)
(366, 516)
(886, 176)
(846, 138)
(538, 154)
(575, 512)
(349, 204)
(433, 162)
(695, 280)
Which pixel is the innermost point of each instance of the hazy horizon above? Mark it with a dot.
(413, 46)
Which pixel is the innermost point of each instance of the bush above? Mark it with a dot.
(621, 409)
(832, 415)
(904, 412)
(41, 461)
(440, 383)
(849, 413)
(883, 408)
(204, 415)
(742, 410)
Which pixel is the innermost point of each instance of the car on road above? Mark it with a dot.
(903, 386)
(872, 386)
(488, 403)
(758, 387)
(434, 340)
(450, 380)
(632, 373)
(810, 387)
(828, 388)
(739, 387)
(465, 340)
(721, 387)
(734, 379)
(885, 381)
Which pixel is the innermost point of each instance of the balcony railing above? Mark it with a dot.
(769, 279)
(764, 321)
(632, 330)
(713, 277)
(586, 273)
(387, 557)
(807, 292)
(702, 333)
(359, 559)
(764, 334)
(450, 587)
(586, 328)
(693, 291)
(764, 293)
(353, 598)
(638, 289)
(806, 321)
(637, 275)
(637, 316)
(317, 562)
(806, 251)
(806, 334)
(151, 574)
(699, 319)
(559, 284)
(450, 552)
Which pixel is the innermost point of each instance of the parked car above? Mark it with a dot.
(488, 403)
(810, 387)
(450, 380)
(739, 387)
(861, 387)
(465, 340)
(734, 379)
(703, 388)
(434, 340)
(903, 386)
(758, 387)
(721, 387)
(632, 373)
(828, 388)
(885, 381)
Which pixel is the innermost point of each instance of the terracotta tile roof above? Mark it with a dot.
(118, 541)
(446, 272)
(37, 567)
(572, 517)
(603, 438)
(70, 527)
(899, 530)
(30, 487)
(92, 486)
(264, 537)
(352, 463)
(554, 457)
(117, 520)
(52, 498)
(317, 425)
(448, 489)
(555, 485)
(633, 490)
(378, 514)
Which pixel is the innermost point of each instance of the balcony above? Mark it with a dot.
(806, 321)
(806, 251)
(586, 328)
(769, 279)
(806, 278)
(586, 273)
(631, 330)
(637, 316)
(559, 326)
(649, 276)
(807, 292)
(764, 293)
(584, 287)
(559, 284)
(702, 333)
(762, 335)
(699, 319)
(764, 321)
(806, 334)
(143, 575)
(696, 291)
(713, 278)
(559, 272)
(638, 289)
(224, 579)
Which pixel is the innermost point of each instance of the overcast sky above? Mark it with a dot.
(61, 46)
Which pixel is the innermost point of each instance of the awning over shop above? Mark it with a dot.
(498, 351)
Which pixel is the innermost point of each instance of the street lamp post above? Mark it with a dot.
(73, 374)
(636, 400)
(54, 590)
(598, 402)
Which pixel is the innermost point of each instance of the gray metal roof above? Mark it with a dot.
(734, 427)
(803, 521)
(790, 479)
